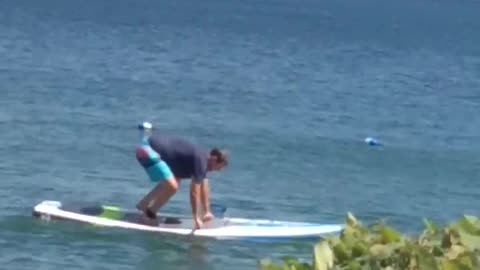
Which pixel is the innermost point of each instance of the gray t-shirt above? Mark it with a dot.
(185, 159)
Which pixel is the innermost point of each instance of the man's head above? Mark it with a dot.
(217, 160)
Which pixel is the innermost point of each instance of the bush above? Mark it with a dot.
(380, 247)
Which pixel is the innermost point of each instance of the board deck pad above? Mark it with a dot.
(219, 228)
(116, 213)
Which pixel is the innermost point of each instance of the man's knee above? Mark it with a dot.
(172, 183)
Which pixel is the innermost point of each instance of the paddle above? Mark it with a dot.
(218, 210)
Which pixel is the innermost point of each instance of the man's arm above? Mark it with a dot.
(198, 188)
(205, 196)
(194, 196)
(202, 192)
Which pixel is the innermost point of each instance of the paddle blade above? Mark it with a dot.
(218, 210)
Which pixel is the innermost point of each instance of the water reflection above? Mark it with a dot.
(176, 253)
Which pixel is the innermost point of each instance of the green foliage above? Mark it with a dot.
(381, 247)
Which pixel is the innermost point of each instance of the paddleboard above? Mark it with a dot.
(223, 228)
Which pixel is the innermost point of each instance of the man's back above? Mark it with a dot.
(184, 158)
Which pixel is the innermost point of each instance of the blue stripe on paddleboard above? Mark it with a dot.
(279, 239)
(283, 225)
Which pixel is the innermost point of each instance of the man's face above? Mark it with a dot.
(218, 165)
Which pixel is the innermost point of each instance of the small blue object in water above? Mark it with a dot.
(371, 141)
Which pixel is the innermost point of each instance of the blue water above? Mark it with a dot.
(291, 88)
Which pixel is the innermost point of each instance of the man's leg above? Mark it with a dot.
(158, 196)
(167, 186)
(149, 159)
(146, 201)
(162, 193)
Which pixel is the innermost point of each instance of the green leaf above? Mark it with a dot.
(304, 266)
(351, 220)
(449, 265)
(437, 251)
(454, 252)
(341, 252)
(349, 237)
(297, 266)
(359, 250)
(379, 251)
(389, 235)
(290, 260)
(267, 264)
(468, 224)
(354, 265)
(430, 227)
(475, 257)
(425, 259)
(472, 242)
(455, 265)
(323, 256)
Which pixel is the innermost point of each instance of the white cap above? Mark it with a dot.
(145, 125)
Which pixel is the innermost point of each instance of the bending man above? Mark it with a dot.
(166, 161)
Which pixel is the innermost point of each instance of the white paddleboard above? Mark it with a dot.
(220, 228)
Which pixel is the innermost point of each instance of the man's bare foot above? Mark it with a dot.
(149, 217)
(149, 221)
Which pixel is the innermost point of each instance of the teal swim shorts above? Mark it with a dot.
(156, 169)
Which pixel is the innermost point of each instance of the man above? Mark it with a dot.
(166, 161)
